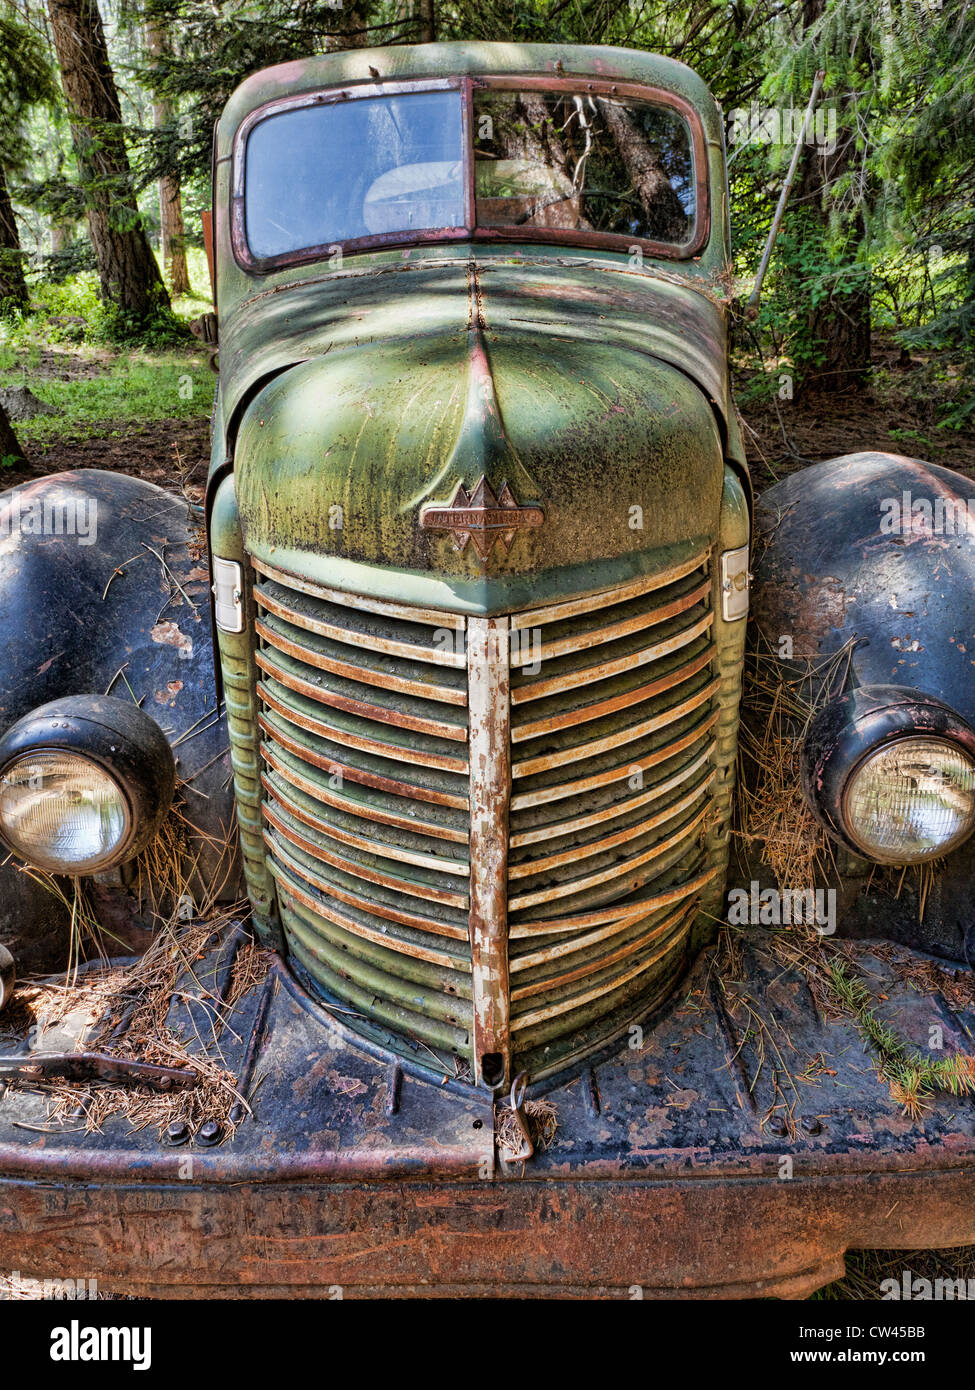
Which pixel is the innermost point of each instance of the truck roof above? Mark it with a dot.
(405, 61)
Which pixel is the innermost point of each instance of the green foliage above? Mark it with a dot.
(70, 310)
(887, 217)
(913, 1077)
(26, 80)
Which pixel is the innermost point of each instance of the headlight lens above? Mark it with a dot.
(62, 812)
(912, 800)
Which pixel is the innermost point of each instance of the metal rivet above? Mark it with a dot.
(209, 1132)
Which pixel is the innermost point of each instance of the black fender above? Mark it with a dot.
(880, 549)
(104, 588)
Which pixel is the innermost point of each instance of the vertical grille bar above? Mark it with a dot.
(489, 680)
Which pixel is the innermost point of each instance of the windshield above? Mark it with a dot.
(319, 175)
(583, 162)
(360, 171)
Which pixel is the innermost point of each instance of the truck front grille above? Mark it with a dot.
(611, 773)
(593, 814)
(364, 717)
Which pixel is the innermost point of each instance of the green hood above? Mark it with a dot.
(586, 390)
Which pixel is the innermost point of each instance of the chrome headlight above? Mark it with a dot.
(912, 800)
(63, 812)
(890, 773)
(84, 783)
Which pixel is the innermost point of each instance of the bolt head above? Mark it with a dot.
(209, 1132)
(178, 1132)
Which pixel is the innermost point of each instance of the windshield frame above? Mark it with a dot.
(467, 86)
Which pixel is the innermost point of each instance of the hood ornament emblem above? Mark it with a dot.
(481, 517)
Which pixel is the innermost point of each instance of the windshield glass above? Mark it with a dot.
(336, 172)
(583, 162)
(345, 170)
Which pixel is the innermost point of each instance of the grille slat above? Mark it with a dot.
(606, 855)
(349, 764)
(366, 807)
(408, 677)
(363, 734)
(356, 923)
(359, 800)
(423, 716)
(575, 851)
(369, 867)
(369, 785)
(397, 844)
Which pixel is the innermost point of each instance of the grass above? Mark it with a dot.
(913, 1078)
(125, 388)
(62, 350)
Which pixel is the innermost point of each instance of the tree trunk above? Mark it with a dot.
(172, 249)
(127, 269)
(61, 236)
(427, 21)
(13, 287)
(351, 27)
(9, 447)
(666, 220)
(838, 325)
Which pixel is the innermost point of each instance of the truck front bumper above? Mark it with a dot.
(738, 1147)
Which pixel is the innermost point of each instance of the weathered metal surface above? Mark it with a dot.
(621, 447)
(879, 550)
(8, 976)
(96, 1066)
(666, 1171)
(103, 589)
(488, 684)
(842, 553)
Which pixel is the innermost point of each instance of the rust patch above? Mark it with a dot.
(168, 634)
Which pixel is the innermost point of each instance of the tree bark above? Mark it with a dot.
(172, 248)
(9, 447)
(838, 325)
(427, 16)
(662, 208)
(127, 270)
(13, 286)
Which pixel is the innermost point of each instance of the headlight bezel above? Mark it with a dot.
(854, 728)
(118, 739)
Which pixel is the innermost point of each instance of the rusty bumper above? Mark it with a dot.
(710, 1158)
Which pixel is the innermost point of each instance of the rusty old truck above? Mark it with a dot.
(461, 658)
